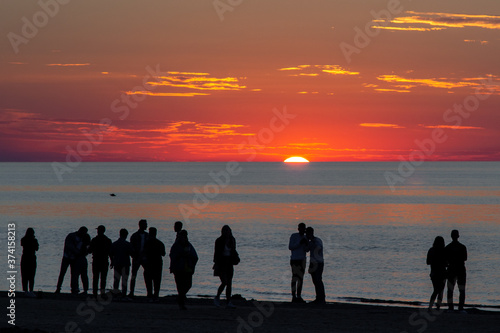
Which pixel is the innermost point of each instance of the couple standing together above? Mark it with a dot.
(300, 243)
(448, 265)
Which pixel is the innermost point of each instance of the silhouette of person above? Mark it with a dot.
(298, 247)
(224, 254)
(81, 267)
(177, 228)
(138, 241)
(100, 247)
(456, 255)
(28, 261)
(155, 250)
(183, 259)
(73, 246)
(437, 259)
(316, 265)
(120, 254)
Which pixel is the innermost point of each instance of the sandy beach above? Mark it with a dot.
(66, 313)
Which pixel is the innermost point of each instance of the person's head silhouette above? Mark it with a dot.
(153, 232)
(226, 231)
(310, 232)
(302, 228)
(101, 229)
(438, 242)
(82, 231)
(454, 235)
(30, 233)
(123, 233)
(177, 226)
(143, 225)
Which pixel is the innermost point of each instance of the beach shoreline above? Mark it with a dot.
(51, 312)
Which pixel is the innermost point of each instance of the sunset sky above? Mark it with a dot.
(260, 80)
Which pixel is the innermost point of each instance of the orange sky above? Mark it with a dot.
(338, 80)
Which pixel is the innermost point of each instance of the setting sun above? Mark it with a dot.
(296, 159)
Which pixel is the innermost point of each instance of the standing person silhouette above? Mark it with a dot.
(456, 256)
(298, 246)
(183, 259)
(73, 247)
(225, 257)
(100, 247)
(81, 266)
(155, 251)
(120, 254)
(436, 257)
(138, 241)
(316, 265)
(28, 261)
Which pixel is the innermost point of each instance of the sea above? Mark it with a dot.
(377, 221)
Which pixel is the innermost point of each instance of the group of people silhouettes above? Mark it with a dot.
(144, 250)
(447, 265)
(147, 251)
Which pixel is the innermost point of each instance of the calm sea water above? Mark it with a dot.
(375, 239)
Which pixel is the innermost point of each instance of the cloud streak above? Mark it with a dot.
(165, 94)
(68, 65)
(197, 81)
(429, 21)
(435, 83)
(380, 125)
(184, 84)
(398, 83)
(30, 131)
(453, 127)
(316, 70)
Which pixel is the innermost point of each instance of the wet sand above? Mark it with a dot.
(67, 313)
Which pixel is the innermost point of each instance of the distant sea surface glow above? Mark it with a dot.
(375, 240)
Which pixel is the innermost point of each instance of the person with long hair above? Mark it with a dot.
(316, 265)
(28, 261)
(225, 257)
(436, 258)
